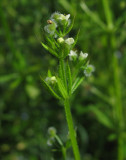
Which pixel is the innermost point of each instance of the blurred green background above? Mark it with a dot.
(27, 110)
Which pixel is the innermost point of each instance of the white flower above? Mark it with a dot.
(51, 28)
(60, 40)
(50, 141)
(69, 41)
(88, 70)
(83, 56)
(55, 15)
(47, 79)
(53, 79)
(72, 55)
(52, 131)
(63, 17)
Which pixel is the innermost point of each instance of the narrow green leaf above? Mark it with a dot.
(9, 77)
(50, 50)
(70, 27)
(92, 15)
(62, 88)
(50, 89)
(76, 84)
(49, 73)
(51, 42)
(69, 78)
(101, 117)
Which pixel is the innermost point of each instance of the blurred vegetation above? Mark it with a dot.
(27, 110)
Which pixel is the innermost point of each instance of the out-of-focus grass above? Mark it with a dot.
(26, 110)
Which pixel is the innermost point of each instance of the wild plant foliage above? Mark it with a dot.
(72, 69)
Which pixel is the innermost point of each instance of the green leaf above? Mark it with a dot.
(62, 88)
(50, 50)
(76, 84)
(101, 116)
(50, 89)
(49, 73)
(92, 15)
(70, 27)
(9, 77)
(69, 78)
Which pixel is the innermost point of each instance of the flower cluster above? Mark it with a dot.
(67, 80)
(57, 20)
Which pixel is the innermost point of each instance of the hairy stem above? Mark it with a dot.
(71, 130)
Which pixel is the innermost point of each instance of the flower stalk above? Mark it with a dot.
(63, 84)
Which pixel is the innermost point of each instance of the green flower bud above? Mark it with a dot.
(60, 40)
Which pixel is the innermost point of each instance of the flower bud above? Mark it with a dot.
(60, 40)
(52, 131)
(53, 79)
(83, 56)
(88, 70)
(72, 55)
(50, 141)
(69, 41)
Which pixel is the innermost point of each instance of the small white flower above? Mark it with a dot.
(60, 18)
(69, 41)
(50, 141)
(60, 40)
(55, 15)
(88, 70)
(83, 56)
(53, 79)
(47, 79)
(51, 28)
(52, 131)
(63, 17)
(72, 55)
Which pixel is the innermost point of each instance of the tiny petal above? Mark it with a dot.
(69, 41)
(72, 55)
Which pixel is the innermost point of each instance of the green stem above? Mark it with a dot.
(71, 130)
(108, 14)
(63, 149)
(64, 152)
(118, 109)
(63, 72)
